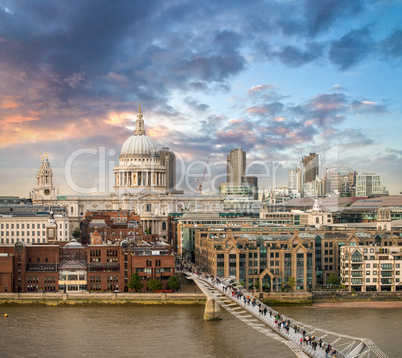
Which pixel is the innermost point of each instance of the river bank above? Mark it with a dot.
(315, 299)
(82, 298)
(359, 304)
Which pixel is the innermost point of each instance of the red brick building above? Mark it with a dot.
(73, 267)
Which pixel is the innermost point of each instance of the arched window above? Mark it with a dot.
(357, 256)
(164, 225)
(317, 220)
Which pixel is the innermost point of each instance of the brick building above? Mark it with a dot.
(73, 267)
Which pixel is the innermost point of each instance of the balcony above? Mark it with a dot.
(41, 267)
(103, 266)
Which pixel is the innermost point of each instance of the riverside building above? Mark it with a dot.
(268, 258)
(371, 268)
(71, 267)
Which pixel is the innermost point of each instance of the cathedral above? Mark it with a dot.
(145, 180)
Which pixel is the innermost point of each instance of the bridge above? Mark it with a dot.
(231, 295)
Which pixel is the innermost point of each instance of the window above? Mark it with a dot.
(357, 256)
(367, 273)
(367, 265)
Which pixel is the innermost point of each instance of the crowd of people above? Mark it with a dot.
(283, 324)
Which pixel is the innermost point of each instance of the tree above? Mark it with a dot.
(291, 282)
(173, 283)
(154, 285)
(76, 233)
(332, 279)
(265, 287)
(257, 284)
(135, 282)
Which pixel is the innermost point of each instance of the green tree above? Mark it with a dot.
(291, 282)
(173, 283)
(154, 285)
(257, 284)
(76, 233)
(333, 279)
(135, 282)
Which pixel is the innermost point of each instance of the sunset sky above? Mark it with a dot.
(279, 79)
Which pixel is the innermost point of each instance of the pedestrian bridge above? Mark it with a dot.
(217, 296)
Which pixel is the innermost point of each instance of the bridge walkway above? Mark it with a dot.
(344, 346)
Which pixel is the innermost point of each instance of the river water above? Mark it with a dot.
(173, 331)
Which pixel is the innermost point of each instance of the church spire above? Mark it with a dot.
(139, 123)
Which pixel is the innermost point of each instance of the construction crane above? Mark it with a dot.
(199, 189)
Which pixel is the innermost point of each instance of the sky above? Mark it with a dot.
(280, 79)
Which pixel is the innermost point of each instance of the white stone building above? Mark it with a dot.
(141, 186)
(33, 229)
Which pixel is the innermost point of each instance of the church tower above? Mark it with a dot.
(44, 188)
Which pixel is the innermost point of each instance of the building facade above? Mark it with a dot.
(144, 183)
(33, 228)
(369, 184)
(236, 165)
(72, 267)
(310, 167)
(371, 268)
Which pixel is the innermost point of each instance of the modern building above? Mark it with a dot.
(236, 165)
(371, 268)
(295, 180)
(340, 182)
(369, 184)
(168, 159)
(310, 167)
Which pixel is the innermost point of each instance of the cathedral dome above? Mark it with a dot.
(139, 144)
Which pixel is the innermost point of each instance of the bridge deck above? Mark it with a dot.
(344, 345)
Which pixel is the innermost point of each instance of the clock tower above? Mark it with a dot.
(44, 188)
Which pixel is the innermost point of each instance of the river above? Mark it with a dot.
(172, 331)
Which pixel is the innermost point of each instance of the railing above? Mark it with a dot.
(346, 346)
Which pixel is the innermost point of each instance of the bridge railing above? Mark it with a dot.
(345, 346)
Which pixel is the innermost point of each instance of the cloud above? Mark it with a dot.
(196, 105)
(261, 88)
(368, 107)
(322, 14)
(392, 45)
(294, 56)
(351, 49)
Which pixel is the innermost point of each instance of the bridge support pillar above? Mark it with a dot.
(212, 310)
